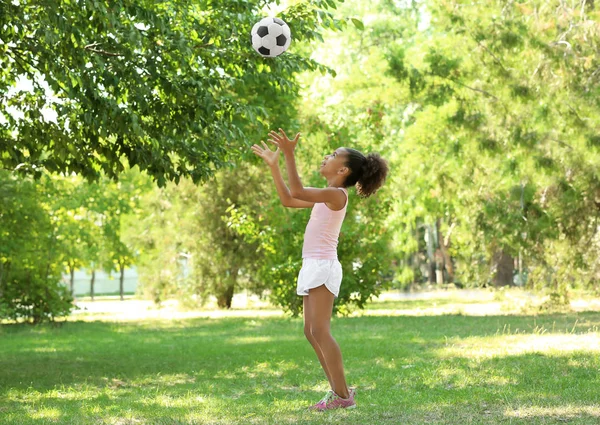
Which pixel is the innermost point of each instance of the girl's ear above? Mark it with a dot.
(343, 170)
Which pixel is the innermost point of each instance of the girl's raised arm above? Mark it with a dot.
(330, 195)
(287, 200)
(272, 160)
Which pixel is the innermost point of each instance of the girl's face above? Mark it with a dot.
(333, 162)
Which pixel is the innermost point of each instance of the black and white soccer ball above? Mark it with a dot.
(271, 37)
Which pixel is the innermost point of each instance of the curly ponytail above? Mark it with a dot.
(367, 173)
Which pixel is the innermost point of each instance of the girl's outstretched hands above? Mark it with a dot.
(269, 156)
(283, 142)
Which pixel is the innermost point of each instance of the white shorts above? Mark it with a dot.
(316, 272)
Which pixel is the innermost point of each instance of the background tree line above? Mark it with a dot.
(488, 114)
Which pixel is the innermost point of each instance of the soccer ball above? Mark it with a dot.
(271, 37)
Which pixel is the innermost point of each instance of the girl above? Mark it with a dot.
(321, 274)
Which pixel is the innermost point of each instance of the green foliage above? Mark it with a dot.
(225, 261)
(30, 253)
(503, 100)
(56, 224)
(172, 87)
(111, 202)
(29, 294)
(188, 237)
(487, 112)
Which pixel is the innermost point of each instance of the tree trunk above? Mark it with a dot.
(445, 243)
(225, 297)
(1, 276)
(505, 266)
(430, 253)
(416, 256)
(520, 268)
(92, 283)
(5, 277)
(72, 281)
(439, 267)
(122, 270)
(440, 258)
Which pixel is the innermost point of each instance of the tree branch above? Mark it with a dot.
(92, 48)
(587, 82)
(493, 55)
(447, 238)
(560, 142)
(473, 88)
(581, 120)
(537, 68)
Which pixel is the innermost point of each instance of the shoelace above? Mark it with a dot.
(333, 397)
(327, 397)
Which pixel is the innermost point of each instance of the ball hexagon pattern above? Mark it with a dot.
(271, 37)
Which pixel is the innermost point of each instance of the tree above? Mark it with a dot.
(172, 87)
(30, 258)
(189, 247)
(92, 88)
(155, 234)
(502, 137)
(55, 224)
(222, 258)
(75, 229)
(110, 203)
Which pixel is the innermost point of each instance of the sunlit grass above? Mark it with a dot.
(417, 368)
(564, 413)
(477, 302)
(521, 344)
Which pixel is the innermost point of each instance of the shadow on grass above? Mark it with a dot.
(208, 370)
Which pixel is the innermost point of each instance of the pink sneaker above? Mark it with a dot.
(322, 402)
(334, 401)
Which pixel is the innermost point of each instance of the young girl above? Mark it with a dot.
(321, 274)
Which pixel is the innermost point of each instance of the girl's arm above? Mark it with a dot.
(329, 195)
(272, 160)
(287, 200)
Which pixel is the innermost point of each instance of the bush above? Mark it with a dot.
(30, 297)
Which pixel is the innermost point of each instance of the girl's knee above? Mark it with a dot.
(308, 332)
(316, 333)
(320, 332)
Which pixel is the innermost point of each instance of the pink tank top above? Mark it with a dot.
(323, 230)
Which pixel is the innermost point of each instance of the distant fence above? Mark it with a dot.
(103, 284)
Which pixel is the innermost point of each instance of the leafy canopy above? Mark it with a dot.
(173, 87)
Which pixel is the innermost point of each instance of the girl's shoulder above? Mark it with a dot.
(343, 189)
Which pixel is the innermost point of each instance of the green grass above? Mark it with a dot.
(409, 369)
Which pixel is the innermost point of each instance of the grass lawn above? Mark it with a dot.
(421, 368)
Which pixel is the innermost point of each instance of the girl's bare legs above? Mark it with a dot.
(318, 306)
(313, 341)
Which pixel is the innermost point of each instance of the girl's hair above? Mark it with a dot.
(367, 173)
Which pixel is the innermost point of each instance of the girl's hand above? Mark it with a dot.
(269, 156)
(283, 142)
